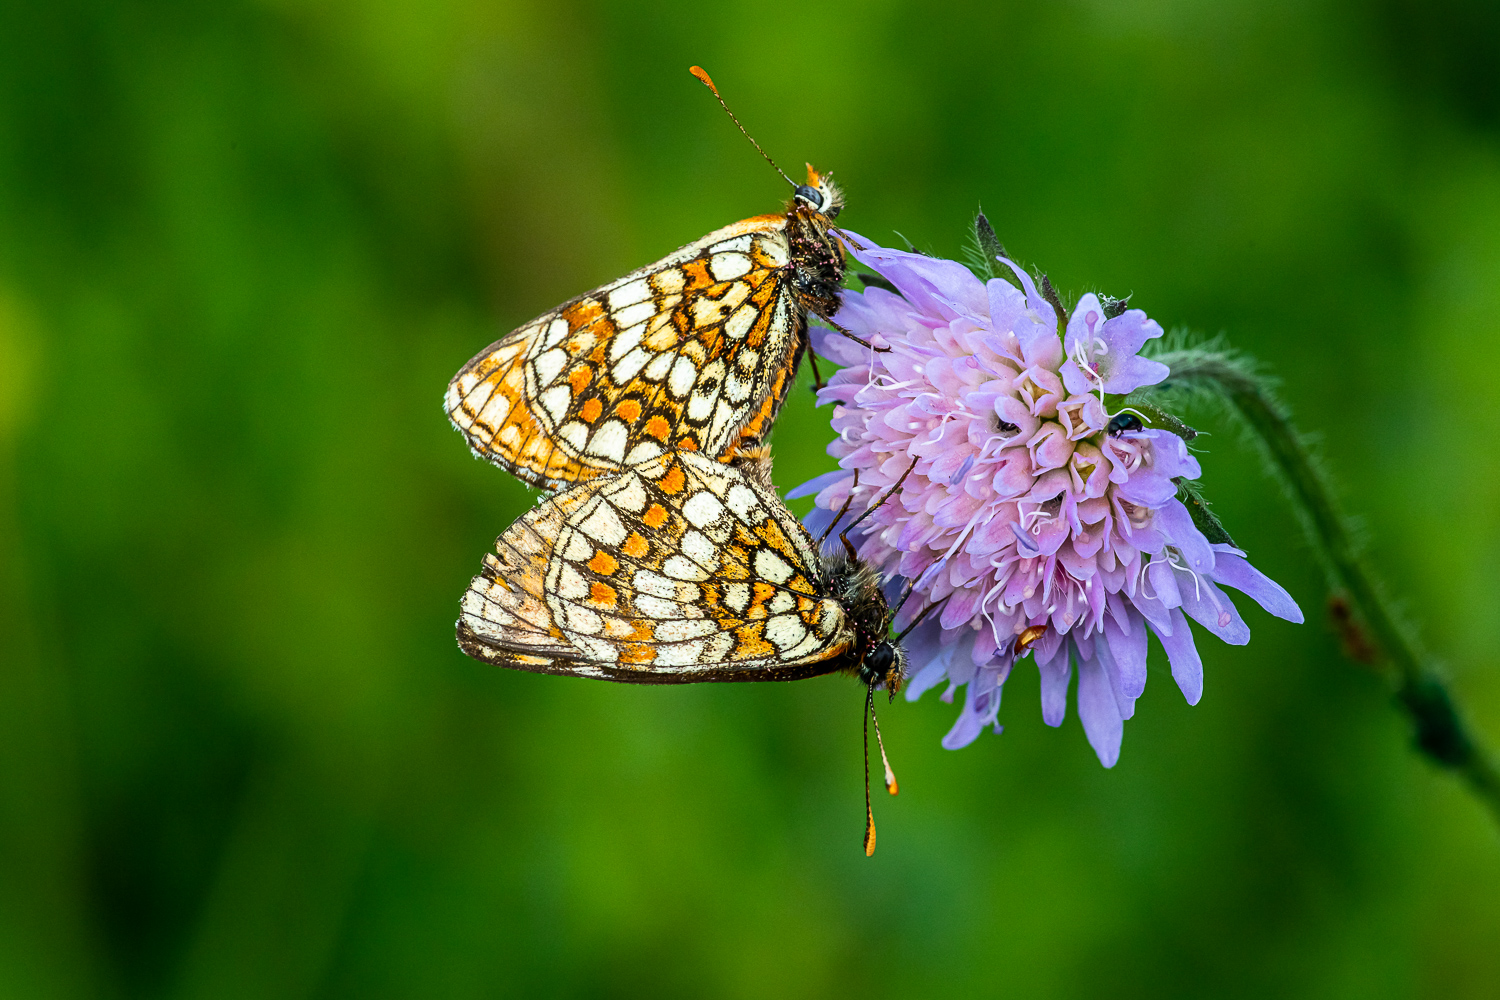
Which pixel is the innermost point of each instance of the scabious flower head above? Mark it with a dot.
(1030, 524)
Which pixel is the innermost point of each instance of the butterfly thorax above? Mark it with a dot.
(817, 257)
(873, 658)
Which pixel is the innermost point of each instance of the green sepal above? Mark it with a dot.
(1203, 518)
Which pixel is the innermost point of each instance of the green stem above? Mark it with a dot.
(1420, 691)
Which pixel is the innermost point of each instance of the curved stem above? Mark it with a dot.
(1420, 691)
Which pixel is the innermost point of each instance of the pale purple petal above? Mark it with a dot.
(1099, 712)
(981, 706)
(1054, 671)
(1231, 568)
(1187, 666)
(1211, 607)
(817, 483)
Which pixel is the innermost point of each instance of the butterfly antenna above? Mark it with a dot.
(890, 776)
(699, 72)
(869, 813)
(918, 620)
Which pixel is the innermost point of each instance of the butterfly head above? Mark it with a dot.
(884, 663)
(819, 194)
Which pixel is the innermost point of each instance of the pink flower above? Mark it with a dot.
(1029, 524)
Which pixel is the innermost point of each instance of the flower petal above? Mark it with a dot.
(981, 706)
(1234, 570)
(1055, 673)
(1187, 666)
(1099, 712)
(816, 484)
(1211, 607)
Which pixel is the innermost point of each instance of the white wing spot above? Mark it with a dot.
(549, 366)
(782, 602)
(785, 631)
(570, 585)
(725, 417)
(803, 648)
(493, 414)
(682, 629)
(684, 654)
(657, 368)
(683, 568)
(771, 567)
(702, 509)
(700, 406)
(578, 549)
(736, 388)
(555, 333)
(609, 441)
(625, 340)
(728, 266)
(583, 620)
(774, 248)
(656, 585)
(555, 401)
(740, 323)
(629, 294)
(631, 315)
(747, 361)
(740, 243)
(627, 367)
(682, 378)
(471, 399)
(603, 526)
(574, 434)
(745, 504)
(643, 452)
(631, 496)
(718, 648)
(658, 608)
(696, 546)
(737, 596)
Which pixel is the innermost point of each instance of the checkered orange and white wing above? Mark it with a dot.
(692, 353)
(680, 569)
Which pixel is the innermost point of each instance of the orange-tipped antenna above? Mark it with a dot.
(703, 76)
(890, 776)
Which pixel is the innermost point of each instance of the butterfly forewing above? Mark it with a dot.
(693, 353)
(681, 569)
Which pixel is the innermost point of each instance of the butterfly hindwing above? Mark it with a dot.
(692, 353)
(681, 569)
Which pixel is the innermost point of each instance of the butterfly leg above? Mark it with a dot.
(854, 336)
(844, 535)
(840, 515)
(812, 359)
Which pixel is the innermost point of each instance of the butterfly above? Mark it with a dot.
(679, 570)
(695, 352)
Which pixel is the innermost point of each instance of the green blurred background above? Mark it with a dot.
(243, 247)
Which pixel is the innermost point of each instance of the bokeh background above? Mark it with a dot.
(243, 247)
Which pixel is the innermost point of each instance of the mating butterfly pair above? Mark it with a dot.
(666, 556)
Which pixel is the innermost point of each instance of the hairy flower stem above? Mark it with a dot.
(1418, 688)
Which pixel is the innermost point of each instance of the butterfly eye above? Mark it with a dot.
(810, 195)
(880, 659)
